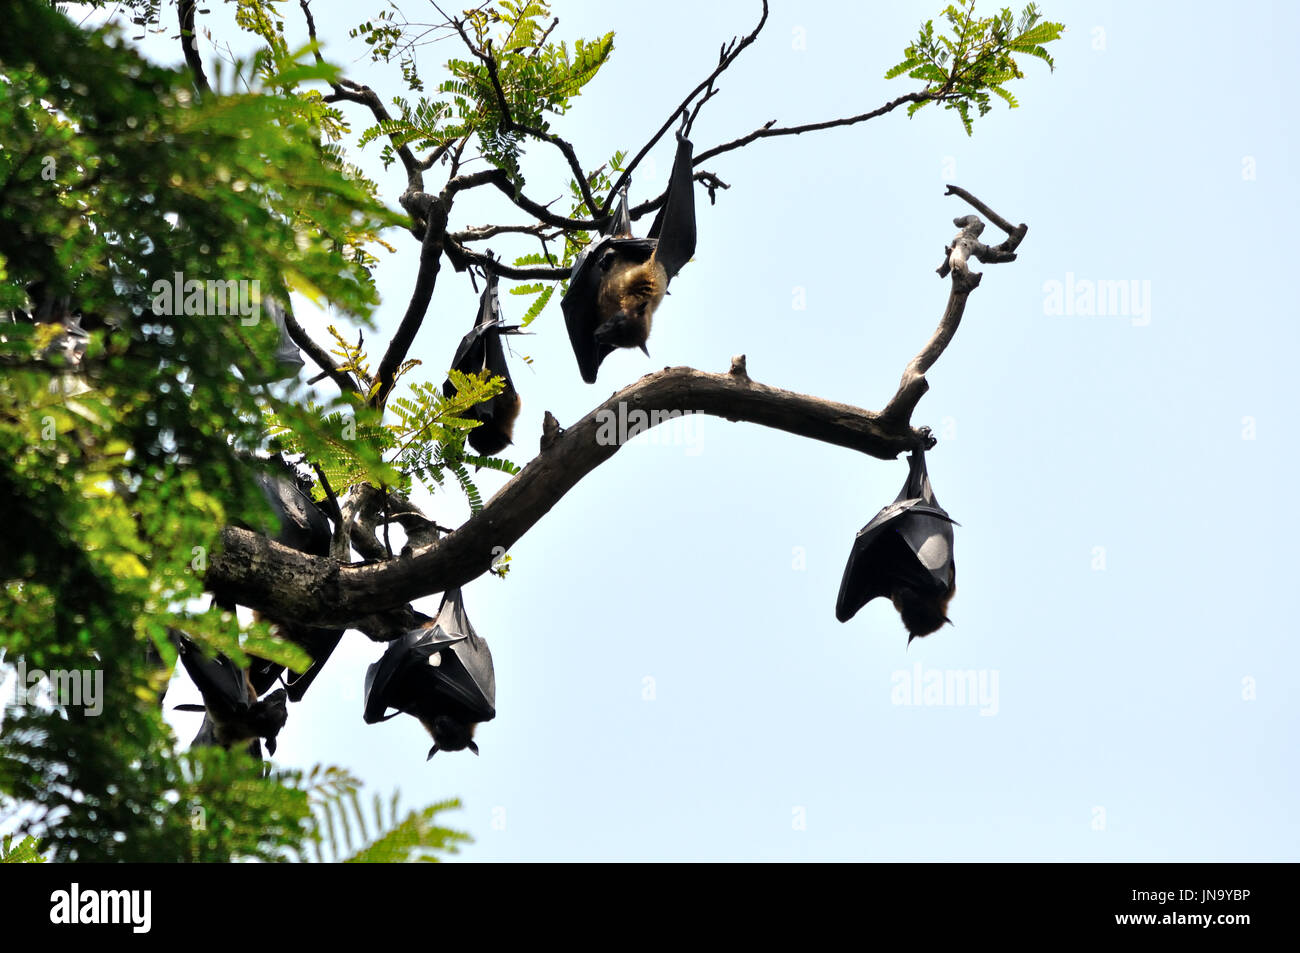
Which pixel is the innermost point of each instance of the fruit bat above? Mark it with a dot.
(905, 553)
(302, 527)
(480, 350)
(231, 712)
(618, 281)
(441, 673)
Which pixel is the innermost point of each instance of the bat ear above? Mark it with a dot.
(270, 746)
(472, 747)
(432, 752)
(645, 349)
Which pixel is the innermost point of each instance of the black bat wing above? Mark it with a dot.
(320, 645)
(927, 532)
(497, 366)
(385, 678)
(620, 225)
(481, 349)
(471, 355)
(581, 317)
(302, 525)
(263, 674)
(877, 551)
(928, 528)
(221, 683)
(465, 674)
(674, 226)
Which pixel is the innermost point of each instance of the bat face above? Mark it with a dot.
(450, 734)
(905, 554)
(626, 300)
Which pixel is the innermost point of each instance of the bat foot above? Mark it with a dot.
(925, 438)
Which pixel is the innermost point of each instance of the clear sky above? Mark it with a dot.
(671, 680)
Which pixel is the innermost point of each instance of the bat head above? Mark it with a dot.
(450, 734)
(924, 613)
(630, 291)
(268, 717)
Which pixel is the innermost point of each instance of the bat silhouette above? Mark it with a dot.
(906, 554)
(618, 282)
(232, 713)
(481, 349)
(441, 673)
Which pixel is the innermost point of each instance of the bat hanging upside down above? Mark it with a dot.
(905, 553)
(232, 714)
(442, 674)
(618, 281)
(482, 350)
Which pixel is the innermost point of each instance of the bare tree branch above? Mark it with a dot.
(435, 213)
(274, 579)
(769, 129)
(956, 261)
(501, 179)
(346, 90)
(300, 337)
(726, 56)
(566, 148)
(190, 46)
(483, 232)
(501, 269)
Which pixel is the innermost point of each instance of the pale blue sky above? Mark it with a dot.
(1155, 445)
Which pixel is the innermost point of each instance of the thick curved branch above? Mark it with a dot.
(283, 582)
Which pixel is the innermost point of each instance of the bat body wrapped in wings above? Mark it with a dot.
(618, 281)
(232, 714)
(482, 350)
(441, 673)
(906, 554)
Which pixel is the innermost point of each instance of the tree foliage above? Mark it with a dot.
(977, 60)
